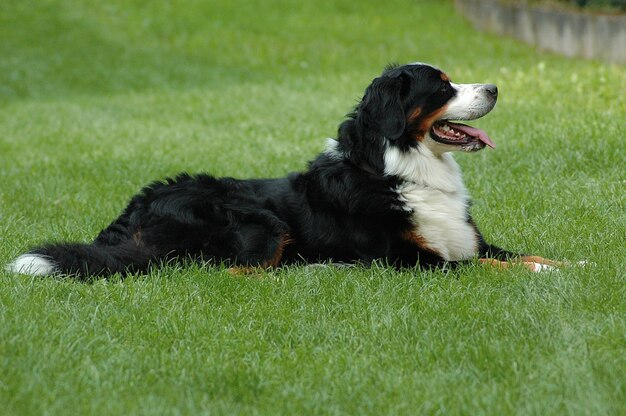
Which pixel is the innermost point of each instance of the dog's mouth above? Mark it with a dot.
(466, 137)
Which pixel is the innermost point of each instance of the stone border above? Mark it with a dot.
(570, 33)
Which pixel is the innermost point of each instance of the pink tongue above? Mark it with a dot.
(474, 132)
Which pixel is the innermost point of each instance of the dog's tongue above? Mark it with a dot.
(474, 132)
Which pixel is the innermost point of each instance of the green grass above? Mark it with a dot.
(99, 98)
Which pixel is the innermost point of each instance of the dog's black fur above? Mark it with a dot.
(344, 208)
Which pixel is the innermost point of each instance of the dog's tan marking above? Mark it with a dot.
(423, 121)
(267, 264)
(541, 260)
(496, 263)
(444, 77)
(278, 255)
(418, 240)
(533, 263)
(415, 114)
(137, 238)
(427, 122)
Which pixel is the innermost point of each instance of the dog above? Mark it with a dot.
(387, 189)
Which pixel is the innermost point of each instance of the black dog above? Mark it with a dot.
(387, 189)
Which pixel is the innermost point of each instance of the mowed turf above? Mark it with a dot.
(99, 98)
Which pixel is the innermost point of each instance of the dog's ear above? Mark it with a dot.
(382, 106)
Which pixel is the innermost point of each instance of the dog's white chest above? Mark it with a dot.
(441, 220)
(436, 196)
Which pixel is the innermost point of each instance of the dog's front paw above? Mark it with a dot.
(539, 264)
(539, 267)
(533, 263)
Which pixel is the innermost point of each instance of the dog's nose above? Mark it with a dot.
(492, 90)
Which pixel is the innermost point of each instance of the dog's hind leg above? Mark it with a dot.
(260, 242)
(261, 259)
(258, 249)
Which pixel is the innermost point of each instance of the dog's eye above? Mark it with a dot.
(444, 88)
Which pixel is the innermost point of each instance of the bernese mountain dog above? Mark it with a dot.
(387, 189)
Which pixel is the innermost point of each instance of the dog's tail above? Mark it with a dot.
(82, 260)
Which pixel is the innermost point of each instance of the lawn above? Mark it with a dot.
(98, 98)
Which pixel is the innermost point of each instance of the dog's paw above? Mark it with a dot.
(550, 266)
(535, 264)
(539, 267)
(538, 264)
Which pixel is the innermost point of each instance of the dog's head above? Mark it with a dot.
(417, 103)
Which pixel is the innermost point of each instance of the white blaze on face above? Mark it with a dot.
(470, 102)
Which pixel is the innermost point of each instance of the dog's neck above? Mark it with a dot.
(335, 151)
(422, 167)
(418, 165)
